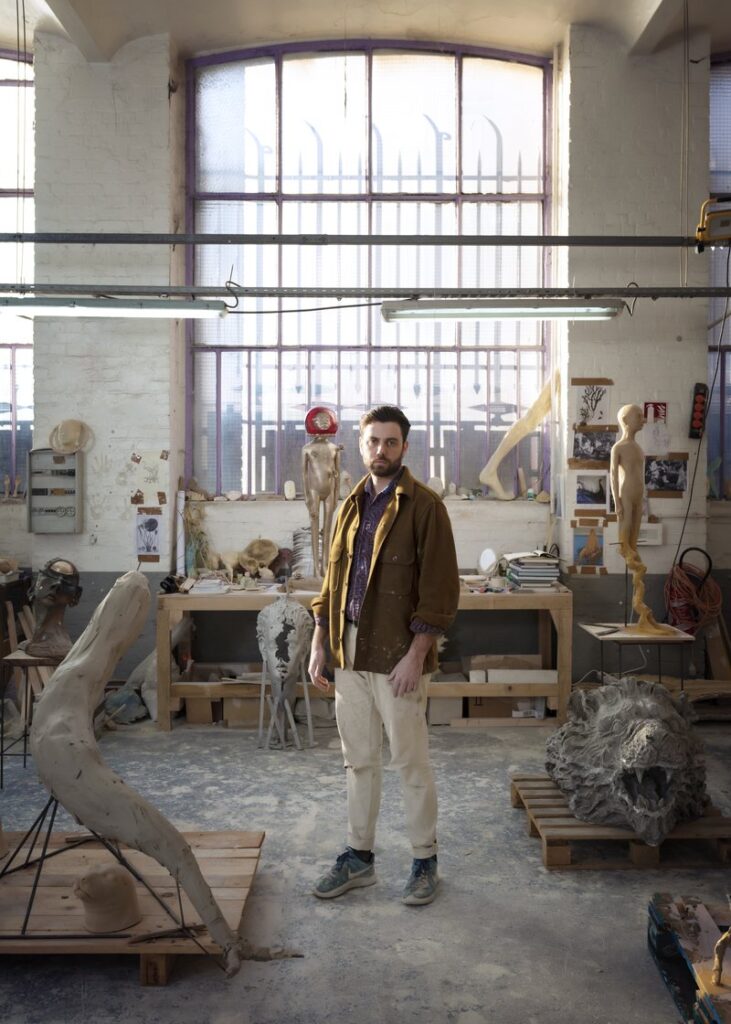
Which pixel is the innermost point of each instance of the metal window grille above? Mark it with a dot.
(386, 138)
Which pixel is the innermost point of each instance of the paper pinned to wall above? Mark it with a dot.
(148, 531)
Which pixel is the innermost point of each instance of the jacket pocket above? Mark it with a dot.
(336, 558)
(396, 573)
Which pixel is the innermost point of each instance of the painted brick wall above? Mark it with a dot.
(105, 163)
(622, 115)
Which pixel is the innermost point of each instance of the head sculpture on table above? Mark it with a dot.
(56, 588)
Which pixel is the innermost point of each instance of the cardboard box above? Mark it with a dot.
(488, 661)
(490, 707)
(243, 712)
(202, 710)
(441, 710)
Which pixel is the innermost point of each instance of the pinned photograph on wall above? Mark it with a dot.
(148, 528)
(666, 478)
(592, 402)
(592, 448)
(588, 548)
(591, 491)
(656, 412)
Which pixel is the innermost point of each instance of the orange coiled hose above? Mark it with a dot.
(692, 598)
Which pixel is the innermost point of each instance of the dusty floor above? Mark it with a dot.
(506, 942)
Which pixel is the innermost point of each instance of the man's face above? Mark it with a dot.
(383, 448)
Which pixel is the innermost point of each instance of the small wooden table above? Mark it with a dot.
(619, 634)
(554, 607)
(23, 662)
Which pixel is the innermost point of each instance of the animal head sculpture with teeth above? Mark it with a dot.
(628, 756)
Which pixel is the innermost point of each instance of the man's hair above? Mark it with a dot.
(386, 414)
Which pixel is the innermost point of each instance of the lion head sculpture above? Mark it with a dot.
(628, 756)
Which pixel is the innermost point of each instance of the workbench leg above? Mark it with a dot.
(163, 667)
(545, 635)
(564, 625)
(155, 968)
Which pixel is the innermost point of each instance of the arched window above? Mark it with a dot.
(381, 139)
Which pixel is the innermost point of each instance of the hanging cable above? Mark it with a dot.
(719, 353)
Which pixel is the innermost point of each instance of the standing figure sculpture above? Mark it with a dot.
(321, 480)
(55, 589)
(627, 477)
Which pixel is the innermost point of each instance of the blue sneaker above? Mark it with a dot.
(422, 885)
(348, 872)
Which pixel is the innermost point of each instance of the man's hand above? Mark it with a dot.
(316, 667)
(404, 677)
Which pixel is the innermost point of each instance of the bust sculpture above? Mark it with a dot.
(55, 589)
(627, 478)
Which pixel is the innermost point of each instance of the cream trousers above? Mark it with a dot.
(365, 705)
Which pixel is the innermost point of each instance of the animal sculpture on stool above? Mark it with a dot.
(70, 765)
(284, 632)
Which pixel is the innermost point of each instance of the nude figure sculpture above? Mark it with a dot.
(526, 425)
(56, 588)
(321, 481)
(627, 478)
(70, 765)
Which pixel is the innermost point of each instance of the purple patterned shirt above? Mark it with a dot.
(372, 509)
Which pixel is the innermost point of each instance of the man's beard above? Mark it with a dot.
(385, 468)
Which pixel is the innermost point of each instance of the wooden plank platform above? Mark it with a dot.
(681, 935)
(567, 842)
(228, 861)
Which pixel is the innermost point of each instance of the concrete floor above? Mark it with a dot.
(506, 942)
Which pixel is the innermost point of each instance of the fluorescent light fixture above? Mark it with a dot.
(160, 309)
(502, 309)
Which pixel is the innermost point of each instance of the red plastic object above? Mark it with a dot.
(698, 412)
(321, 420)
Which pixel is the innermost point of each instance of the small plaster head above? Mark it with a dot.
(57, 583)
(109, 897)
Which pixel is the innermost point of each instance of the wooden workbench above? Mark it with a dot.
(554, 607)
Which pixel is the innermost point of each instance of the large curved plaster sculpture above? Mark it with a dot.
(69, 763)
(526, 425)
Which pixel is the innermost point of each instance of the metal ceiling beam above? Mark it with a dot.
(157, 238)
(239, 291)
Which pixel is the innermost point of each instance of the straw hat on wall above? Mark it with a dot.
(69, 436)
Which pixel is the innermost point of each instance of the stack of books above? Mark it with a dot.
(532, 570)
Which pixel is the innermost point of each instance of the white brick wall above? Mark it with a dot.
(622, 119)
(105, 162)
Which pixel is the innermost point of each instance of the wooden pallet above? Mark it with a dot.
(228, 861)
(562, 835)
(681, 935)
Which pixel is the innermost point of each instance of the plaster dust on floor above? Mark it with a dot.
(506, 941)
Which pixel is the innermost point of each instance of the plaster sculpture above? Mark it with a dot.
(628, 756)
(70, 765)
(143, 677)
(526, 425)
(284, 632)
(110, 899)
(719, 951)
(321, 480)
(627, 478)
(55, 589)
(258, 555)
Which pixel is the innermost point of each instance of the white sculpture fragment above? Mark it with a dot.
(70, 765)
(321, 480)
(284, 632)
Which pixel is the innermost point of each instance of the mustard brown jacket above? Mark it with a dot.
(413, 574)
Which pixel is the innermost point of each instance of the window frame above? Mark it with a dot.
(459, 197)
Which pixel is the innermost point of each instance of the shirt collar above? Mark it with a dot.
(387, 490)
